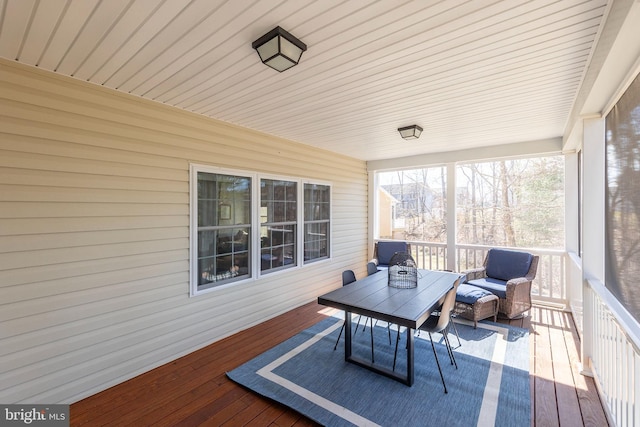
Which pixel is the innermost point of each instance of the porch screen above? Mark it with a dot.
(623, 200)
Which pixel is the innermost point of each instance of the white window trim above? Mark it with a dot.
(301, 219)
(256, 177)
(193, 225)
(298, 182)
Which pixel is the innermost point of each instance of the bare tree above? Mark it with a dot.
(507, 220)
(513, 202)
(502, 203)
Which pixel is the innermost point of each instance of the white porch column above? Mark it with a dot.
(373, 212)
(451, 216)
(572, 201)
(593, 237)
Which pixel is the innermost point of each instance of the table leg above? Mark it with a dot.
(410, 371)
(407, 379)
(347, 335)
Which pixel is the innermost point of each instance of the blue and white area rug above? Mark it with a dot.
(490, 386)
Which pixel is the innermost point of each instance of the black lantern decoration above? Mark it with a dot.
(410, 132)
(403, 272)
(279, 49)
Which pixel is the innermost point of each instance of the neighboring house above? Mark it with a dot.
(412, 197)
(387, 208)
(415, 204)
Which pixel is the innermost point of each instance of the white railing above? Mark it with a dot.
(548, 286)
(574, 288)
(429, 255)
(615, 358)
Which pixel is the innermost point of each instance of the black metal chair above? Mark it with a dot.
(372, 268)
(348, 276)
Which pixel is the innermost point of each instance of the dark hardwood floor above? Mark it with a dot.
(194, 389)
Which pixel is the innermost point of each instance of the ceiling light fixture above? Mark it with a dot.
(279, 49)
(410, 132)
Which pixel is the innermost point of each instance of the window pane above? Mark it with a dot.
(206, 244)
(308, 214)
(224, 241)
(317, 215)
(291, 211)
(278, 248)
(278, 212)
(224, 225)
(316, 241)
(207, 212)
(242, 212)
(325, 211)
(206, 186)
(513, 203)
(264, 216)
(278, 217)
(279, 190)
(412, 205)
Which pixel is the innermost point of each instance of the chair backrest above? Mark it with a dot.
(348, 276)
(447, 308)
(386, 249)
(372, 268)
(505, 264)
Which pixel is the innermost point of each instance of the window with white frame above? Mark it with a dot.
(278, 224)
(244, 225)
(223, 228)
(317, 221)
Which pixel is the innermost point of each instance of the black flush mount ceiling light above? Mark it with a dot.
(279, 49)
(410, 132)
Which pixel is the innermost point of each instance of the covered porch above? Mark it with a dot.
(127, 266)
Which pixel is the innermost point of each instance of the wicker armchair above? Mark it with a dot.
(507, 274)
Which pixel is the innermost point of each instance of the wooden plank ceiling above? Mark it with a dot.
(471, 73)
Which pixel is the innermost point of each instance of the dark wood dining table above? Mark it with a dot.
(372, 297)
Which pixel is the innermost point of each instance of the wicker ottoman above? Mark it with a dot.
(475, 303)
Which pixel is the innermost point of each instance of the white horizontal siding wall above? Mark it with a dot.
(94, 234)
